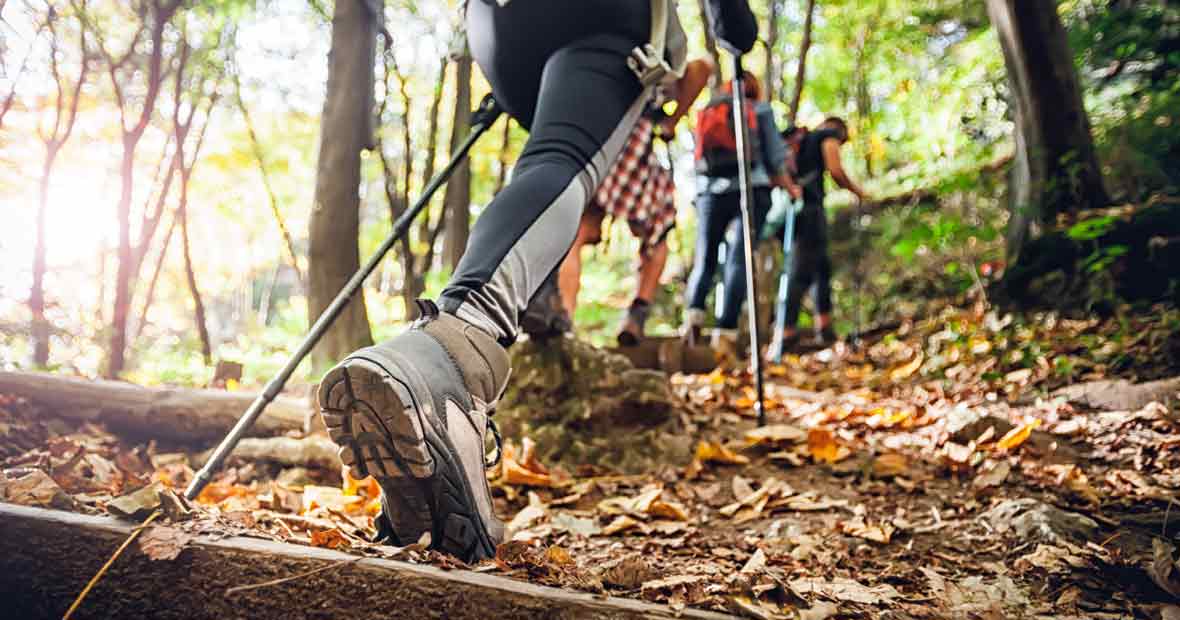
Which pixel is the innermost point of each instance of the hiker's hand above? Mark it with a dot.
(794, 190)
(666, 129)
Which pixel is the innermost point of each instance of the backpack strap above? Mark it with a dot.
(649, 61)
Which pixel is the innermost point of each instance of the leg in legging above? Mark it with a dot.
(589, 100)
(713, 214)
(735, 263)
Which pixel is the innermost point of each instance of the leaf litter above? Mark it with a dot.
(865, 495)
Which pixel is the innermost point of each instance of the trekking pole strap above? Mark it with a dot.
(484, 117)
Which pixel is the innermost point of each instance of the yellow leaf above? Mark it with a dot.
(525, 471)
(713, 452)
(329, 539)
(232, 385)
(1018, 435)
(889, 465)
(904, 371)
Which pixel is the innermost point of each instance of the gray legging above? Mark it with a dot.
(559, 68)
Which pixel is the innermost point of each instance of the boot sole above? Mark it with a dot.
(382, 431)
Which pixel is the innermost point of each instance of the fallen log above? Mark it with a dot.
(310, 451)
(47, 556)
(172, 414)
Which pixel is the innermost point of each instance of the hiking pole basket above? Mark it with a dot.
(742, 140)
(481, 120)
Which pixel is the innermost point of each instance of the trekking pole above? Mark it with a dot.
(855, 338)
(784, 281)
(481, 120)
(742, 140)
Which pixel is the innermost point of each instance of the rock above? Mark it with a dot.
(1032, 520)
(137, 504)
(584, 405)
(1120, 395)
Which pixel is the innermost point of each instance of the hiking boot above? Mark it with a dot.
(545, 317)
(826, 336)
(632, 331)
(694, 321)
(413, 413)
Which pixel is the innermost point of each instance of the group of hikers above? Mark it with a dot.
(589, 80)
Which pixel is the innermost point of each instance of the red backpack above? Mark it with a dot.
(716, 148)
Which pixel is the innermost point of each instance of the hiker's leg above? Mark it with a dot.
(570, 274)
(735, 262)
(804, 264)
(713, 214)
(651, 267)
(589, 99)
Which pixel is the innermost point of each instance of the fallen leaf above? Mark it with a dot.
(713, 452)
(876, 533)
(160, 542)
(890, 465)
(524, 470)
(565, 522)
(756, 563)
(904, 371)
(35, 488)
(622, 523)
(821, 444)
(843, 589)
(329, 539)
(558, 556)
(819, 611)
(1018, 377)
(694, 469)
(1163, 569)
(672, 582)
(1017, 436)
(529, 515)
(993, 476)
(742, 487)
(138, 504)
(775, 434)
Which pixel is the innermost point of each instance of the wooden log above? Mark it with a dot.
(172, 414)
(47, 556)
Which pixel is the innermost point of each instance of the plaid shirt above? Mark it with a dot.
(639, 189)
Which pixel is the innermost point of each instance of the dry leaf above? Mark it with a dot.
(35, 488)
(877, 533)
(329, 539)
(756, 563)
(993, 477)
(523, 470)
(160, 542)
(775, 434)
(622, 523)
(821, 444)
(904, 371)
(819, 611)
(529, 515)
(693, 470)
(890, 464)
(843, 590)
(1163, 569)
(1017, 436)
(713, 452)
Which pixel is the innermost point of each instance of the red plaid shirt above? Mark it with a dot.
(639, 189)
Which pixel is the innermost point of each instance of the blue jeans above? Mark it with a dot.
(715, 214)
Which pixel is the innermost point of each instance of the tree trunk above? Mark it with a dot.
(116, 360)
(801, 69)
(150, 295)
(189, 274)
(502, 161)
(40, 328)
(457, 199)
(335, 219)
(189, 416)
(1056, 168)
(769, 80)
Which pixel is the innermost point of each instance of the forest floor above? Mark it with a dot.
(969, 465)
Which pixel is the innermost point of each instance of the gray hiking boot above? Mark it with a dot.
(413, 413)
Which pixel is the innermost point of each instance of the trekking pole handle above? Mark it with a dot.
(482, 119)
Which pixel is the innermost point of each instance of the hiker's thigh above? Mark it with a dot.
(588, 102)
(512, 44)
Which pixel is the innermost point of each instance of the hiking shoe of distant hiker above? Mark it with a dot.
(826, 336)
(545, 317)
(631, 332)
(413, 412)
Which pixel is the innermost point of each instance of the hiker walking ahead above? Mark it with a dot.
(718, 199)
(413, 412)
(819, 151)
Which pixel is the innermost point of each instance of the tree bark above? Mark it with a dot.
(801, 69)
(40, 327)
(769, 80)
(1056, 168)
(190, 275)
(334, 255)
(457, 199)
(150, 295)
(188, 416)
(503, 161)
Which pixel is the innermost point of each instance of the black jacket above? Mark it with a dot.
(734, 24)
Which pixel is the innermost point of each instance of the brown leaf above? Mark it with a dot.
(1163, 569)
(756, 563)
(622, 523)
(775, 434)
(35, 488)
(329, 539)
(993, 477)
(160, 542)
(904, 371)
(876, 533)
(890, 465)
(524, 470)
(821, 444)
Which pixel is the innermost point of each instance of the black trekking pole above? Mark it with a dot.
(856, 339)
(742, 140)
(481, 120)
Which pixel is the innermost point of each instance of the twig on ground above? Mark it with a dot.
(275, 582)
(102, 571)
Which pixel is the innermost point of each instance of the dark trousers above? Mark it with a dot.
(715, 214)
(811, 264)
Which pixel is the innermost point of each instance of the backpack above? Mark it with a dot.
(794, 137)
(716, 143)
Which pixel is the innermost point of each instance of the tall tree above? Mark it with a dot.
(1056, 169)
(801, 67)
(151, 20)
(345, 131)
(773, 58)
(457, 199)
(54, 136)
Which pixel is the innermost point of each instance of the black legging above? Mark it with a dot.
(559, 67)
(810, 263)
